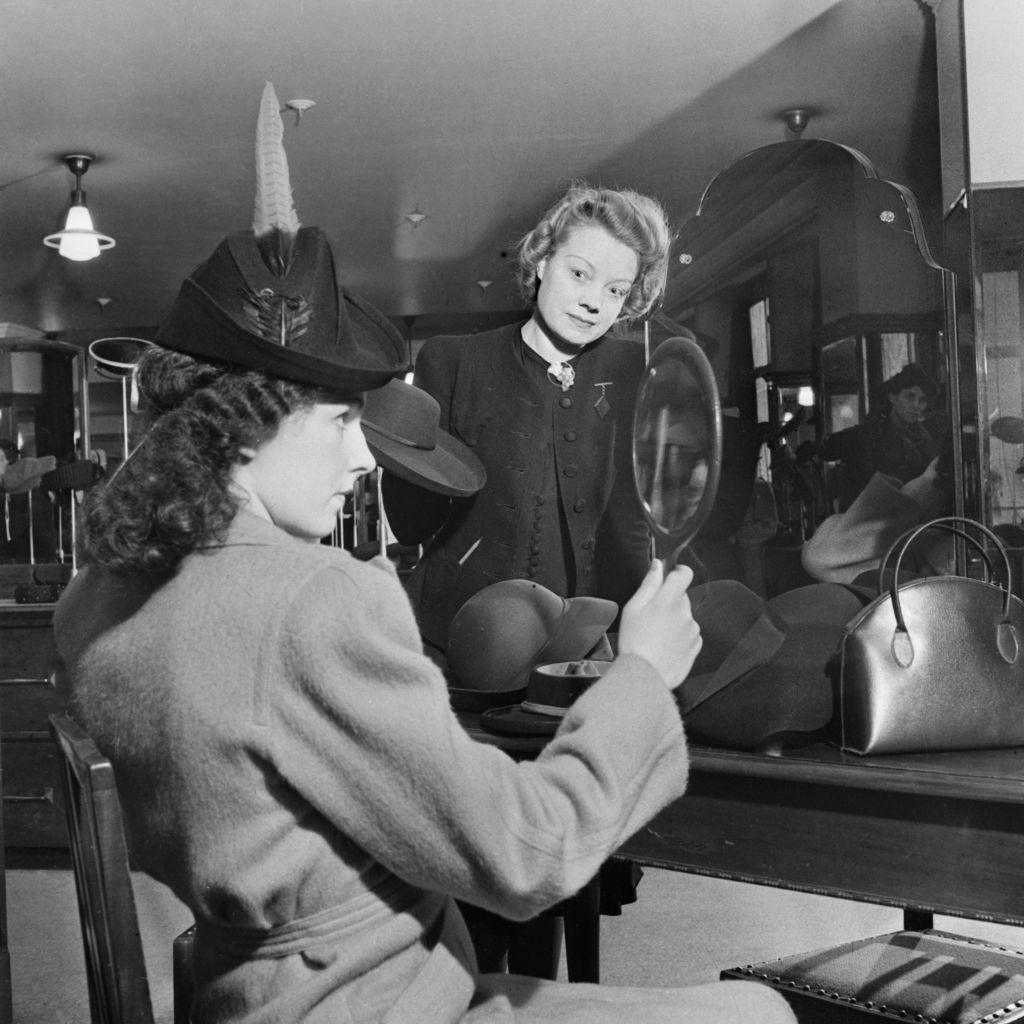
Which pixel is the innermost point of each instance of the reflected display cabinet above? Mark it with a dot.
(811, 284)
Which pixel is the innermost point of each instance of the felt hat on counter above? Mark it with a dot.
(504, 631)
(550, 691)
(765, 666)
(401, 424)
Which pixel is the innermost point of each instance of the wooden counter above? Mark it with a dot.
(32, 806)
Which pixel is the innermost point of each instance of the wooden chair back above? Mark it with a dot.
(115, 966)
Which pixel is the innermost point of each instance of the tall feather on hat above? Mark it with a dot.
(268, 299)
(276, 226)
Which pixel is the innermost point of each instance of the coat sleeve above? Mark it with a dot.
(364, 732)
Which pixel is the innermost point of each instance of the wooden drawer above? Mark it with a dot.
(33, 812)
(27, 648)
(33, 802)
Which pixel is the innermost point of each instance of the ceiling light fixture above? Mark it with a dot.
(78, 241)
(416, 216)
(298, 108)
(796, 119)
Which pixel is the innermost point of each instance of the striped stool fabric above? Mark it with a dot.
(929, 976)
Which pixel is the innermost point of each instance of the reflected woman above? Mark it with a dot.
(900, 442)
(547, 406)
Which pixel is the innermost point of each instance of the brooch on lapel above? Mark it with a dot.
(602, 405)
(562, 374)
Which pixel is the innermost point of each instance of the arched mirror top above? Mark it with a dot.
(779, 191)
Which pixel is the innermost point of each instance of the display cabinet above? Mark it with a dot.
(43, 412)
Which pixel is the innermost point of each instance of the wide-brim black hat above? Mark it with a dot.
(297, 325)
(401, 424)
(765, 665)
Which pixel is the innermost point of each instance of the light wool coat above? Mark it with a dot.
(290, 767)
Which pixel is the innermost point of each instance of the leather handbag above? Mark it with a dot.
(936, 663)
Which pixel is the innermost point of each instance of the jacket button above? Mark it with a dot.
(565, 402)
(539, 499)
(570, 435)
(531, 571)
(570, 471)
(579, 505)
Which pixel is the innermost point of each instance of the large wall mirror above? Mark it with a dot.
(808, 281)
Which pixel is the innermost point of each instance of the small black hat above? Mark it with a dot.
(300, 325)
(268, 299)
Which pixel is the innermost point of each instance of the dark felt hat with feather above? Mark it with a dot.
(268, 299)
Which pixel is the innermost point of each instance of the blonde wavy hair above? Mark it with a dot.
(636, 220)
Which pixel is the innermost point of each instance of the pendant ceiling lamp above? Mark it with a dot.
(78, 241)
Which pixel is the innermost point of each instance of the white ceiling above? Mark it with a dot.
(477, 113)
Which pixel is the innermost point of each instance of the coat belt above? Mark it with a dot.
(403, 915)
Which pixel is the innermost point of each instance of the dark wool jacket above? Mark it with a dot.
(510, 421)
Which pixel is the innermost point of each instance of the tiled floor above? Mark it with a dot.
(684, 929)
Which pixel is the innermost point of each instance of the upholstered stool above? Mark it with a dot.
(930, 977)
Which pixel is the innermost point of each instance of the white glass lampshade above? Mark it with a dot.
(78, 239)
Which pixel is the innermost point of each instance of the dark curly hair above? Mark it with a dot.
(912, 375)
(174, 493)
(636, 220)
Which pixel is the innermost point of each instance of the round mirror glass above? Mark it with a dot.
(677, 443)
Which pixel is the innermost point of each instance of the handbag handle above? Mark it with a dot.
(904, 540)
(1006, 636)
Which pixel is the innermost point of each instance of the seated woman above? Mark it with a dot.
(286, 755)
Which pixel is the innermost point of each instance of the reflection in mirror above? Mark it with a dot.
(42, 432)
(677, 438)
(998, 229)
(815, 279)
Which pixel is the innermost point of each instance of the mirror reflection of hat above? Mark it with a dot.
(500, 633)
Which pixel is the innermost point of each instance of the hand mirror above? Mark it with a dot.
(677, 444)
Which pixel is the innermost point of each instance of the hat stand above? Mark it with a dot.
(115, 359)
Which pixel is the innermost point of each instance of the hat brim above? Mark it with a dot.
(477, 701)
(514, 720)
(448, 468)
(199, 327)
(581, 627)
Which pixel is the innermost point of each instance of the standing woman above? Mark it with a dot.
(547, 407)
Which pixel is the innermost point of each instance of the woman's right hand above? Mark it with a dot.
(657, 623)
